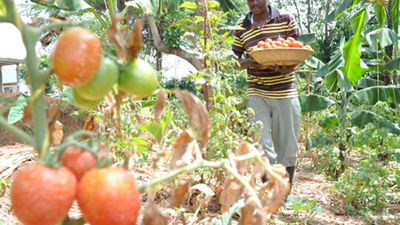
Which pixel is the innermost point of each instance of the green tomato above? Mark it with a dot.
(101, 84)
(82, 102)
(138, 78)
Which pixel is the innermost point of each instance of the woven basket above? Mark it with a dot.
(281, 56)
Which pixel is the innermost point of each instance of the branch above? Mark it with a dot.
(16, 131)
(162, 47)
(51, 26)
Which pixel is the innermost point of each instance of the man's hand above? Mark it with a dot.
(284, 70)
(249, 62)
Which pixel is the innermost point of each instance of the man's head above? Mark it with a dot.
(257, 6)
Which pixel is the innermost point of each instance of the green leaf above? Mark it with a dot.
(212, 4)
(319, 141)
(331, 121)
(312, 102)
(392, 65)
(336, 61)
(68, 221)
(180, 23)
(383, 36)
(17, 112)
(188, 5)
(371, 95)
(68, 93)
(355, 68)
(338, 11)
(361, 118)
(314, 62)
(142, 145)
(153, 129)
(226, 218)
(368, 82)
(165, 121)
(395, 16)
(380, 15)
(3, 10)
(307, 38)
(70, 5)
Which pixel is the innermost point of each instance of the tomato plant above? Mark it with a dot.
(42, 195)
(76, 57)
(108, 196)
(138, 78)
(103, 81)
(79, 161)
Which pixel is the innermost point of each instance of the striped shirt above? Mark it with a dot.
(265, 82)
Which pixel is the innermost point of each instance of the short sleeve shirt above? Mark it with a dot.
(265, 82)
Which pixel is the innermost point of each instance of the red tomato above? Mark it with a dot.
(77, 56)
(108, 196)
(297, 44)
(269, 40)
(280, 39)
(42, 195)
(290, 39)
(260, 44)
(267, 45)
(78, 161)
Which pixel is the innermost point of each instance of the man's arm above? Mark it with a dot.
(246, 63)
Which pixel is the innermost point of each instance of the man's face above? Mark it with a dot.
(257, 6)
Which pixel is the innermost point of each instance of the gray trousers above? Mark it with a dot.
(281, 121)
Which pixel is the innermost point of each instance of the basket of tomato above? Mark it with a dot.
(280, 52)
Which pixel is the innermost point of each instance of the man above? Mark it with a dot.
(271, 91)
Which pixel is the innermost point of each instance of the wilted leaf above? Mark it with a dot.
(152, 216)
(198, 115)
(232, 193)
(55, 127)
(89, 123)
(243, 166)
(252, 215)
(278, 188)
(56, 133)
(117, 36)
(180, 194)
(183, 150)
(204, 189)
(159, 107)
(28, 111)
(109, 105)
(135, 41)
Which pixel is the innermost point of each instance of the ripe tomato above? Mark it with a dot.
(42, 195)
(108, 196)
(279, 39)
(82, 102)
(290, 39)
(78, 161)
(138, 78)
(76, 57)
(260, 44)
(297, 44)
(102, 82)
(269, 40)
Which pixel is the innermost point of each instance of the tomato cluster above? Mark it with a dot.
(279, 43)
(42, 195)
(78, 61)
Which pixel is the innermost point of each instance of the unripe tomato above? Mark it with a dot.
(42, 195)
(138, 78)
(108, 196)
(76, 57)
(78, 161)
(82, 102)
(102, 82)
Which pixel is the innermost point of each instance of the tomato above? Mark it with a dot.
(138, 78)
(79, 161)
(290, 39)
(103, 81)
(297, 44)
(82, 102)
(260, 44)
(42, 195)
(108, 196)
(76, 57)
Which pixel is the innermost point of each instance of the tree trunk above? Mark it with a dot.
(308, 25)
(164, 48)
(298, 15)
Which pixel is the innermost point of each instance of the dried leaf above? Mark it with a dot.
(198, 115)
(278, 188)
(183, 150)
(204, 189)
(135, 41)
(57, 133)
(152, 216)
(252, 215)
(55, 127)
(159, 107)
(117, 36)
(180, 194)
(232, 193)
(28, 111)
(89, 123)
(243, 166)
(109, 105)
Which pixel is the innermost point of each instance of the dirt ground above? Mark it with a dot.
(307, 185)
